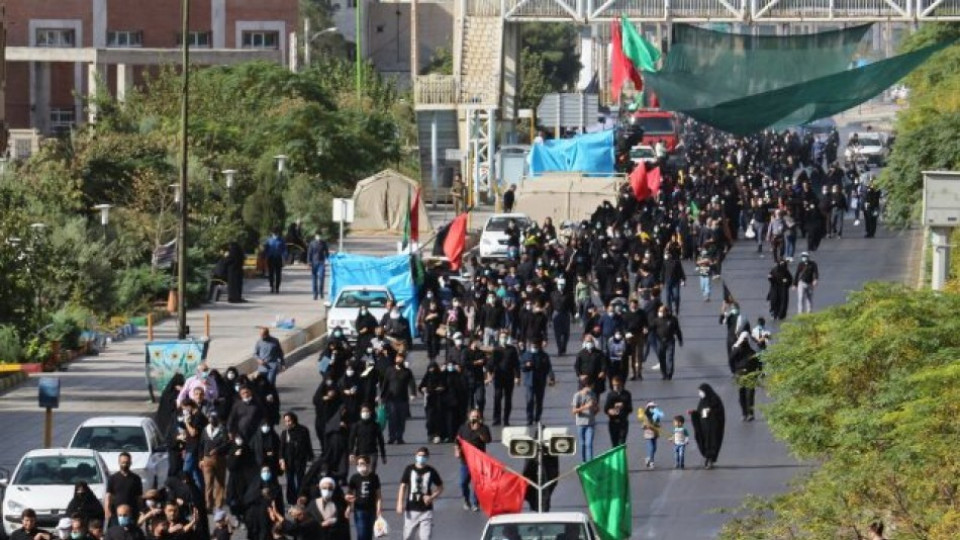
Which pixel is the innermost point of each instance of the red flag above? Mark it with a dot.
(621, 67)
(654, 180)
(415, 216)
(498, 490)
(638, 181)
(455, 241)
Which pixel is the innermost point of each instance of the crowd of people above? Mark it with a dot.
(610, 284)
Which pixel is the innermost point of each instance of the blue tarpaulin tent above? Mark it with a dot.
(588, 153)
(392, 272)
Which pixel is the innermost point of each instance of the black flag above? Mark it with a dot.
(727, 295)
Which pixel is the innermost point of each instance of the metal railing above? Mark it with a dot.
(436, 90)
(483, 8)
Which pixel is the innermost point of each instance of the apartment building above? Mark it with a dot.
(60, 51)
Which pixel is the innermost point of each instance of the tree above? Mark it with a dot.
(869, 390)
(549, 61)
(929, 129)
(441, 62)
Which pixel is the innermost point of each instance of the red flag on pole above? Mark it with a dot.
(621, 67)
(455, 241)
(415, 216)
(654, 180)
(638, 181)
(498, 490)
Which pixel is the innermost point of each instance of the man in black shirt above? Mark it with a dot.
(667, 330)
(477, 434)
(296, 451)
(398, 386)
(366, 438)
(619, 407)
(123, 488)
(420, 485)
(29, 530)
(504, 368)
(363, 494)
(126, 528)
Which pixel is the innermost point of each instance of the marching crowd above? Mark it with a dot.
(610, 284)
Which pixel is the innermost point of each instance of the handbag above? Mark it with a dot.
(382, 416)
(750, 232)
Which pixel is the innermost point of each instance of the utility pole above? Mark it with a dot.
(359, 51)
(414, 46)
(182, 329)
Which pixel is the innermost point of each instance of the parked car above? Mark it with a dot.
(44, 480)
(137, 435)
(493, 239)
(345, 307)
(644, 153)
(538, 526)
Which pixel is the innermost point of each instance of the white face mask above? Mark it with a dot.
(350, 373)
(362, 469)
(238, 442)
(365, 415)
(247, 399)
(702, 394)
(264, 429)
(326, 493)
(588, 345)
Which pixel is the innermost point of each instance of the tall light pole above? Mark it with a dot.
(104, 217)
(359, 52)
(309, 37)
(182, 329)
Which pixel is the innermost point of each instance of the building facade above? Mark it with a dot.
(59, 52)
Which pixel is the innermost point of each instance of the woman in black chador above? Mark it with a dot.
(708, 422)
(235, 259)
(779, 296)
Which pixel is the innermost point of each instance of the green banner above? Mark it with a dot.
(641, 52)
(606, 485)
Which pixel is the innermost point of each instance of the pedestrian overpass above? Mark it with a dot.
(457, 114)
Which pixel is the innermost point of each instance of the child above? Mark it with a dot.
(582, 294)
(704, 263)
(223, 531)
(680, 439)
(650, 416)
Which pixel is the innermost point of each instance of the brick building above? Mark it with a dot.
(59, 51)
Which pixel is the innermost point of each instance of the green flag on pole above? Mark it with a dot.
(640, 51)
(606, 486)
(406, 223)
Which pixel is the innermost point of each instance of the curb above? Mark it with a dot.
(12, 381)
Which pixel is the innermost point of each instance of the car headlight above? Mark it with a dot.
(13, 507)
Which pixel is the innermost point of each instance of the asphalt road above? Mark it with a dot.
(667, 504)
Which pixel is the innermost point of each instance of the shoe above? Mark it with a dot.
(750, 418)
(506, 423)
(401, 441)
(391, 441)
(496, 422)
(466, 506)
(633, 378)
(475, 508)
(743, 418)
(709, 464)
(646, 462)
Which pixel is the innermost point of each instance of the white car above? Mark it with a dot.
(137, 435)
(872, 148)
(643, 152)
(546, 525)
(45, 481)
(345, 307)
(493, 239)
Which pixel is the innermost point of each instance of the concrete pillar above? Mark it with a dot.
(40, 102)
(124, 81)
(96, 75)
(511, 71)
(940, 237)
(99, 24)
(586, 57)
(218, 23)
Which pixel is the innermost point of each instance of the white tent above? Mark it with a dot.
(380, 204)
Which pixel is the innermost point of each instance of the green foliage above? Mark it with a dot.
(441, 62)
(870, 390)
(37, 350)
(10, 349)
(136, 287)
(67, 323)
(929, 129)
(548, 61)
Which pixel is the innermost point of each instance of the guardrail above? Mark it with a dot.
(436, 90)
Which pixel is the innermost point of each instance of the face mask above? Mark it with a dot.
(533, 350)
(123, 521)
(247, 399)
(451, 367)
(238, 442)
(458, 342)
(204, 374)
(231, 376)
(264, 429)
(421, 460)
(362, 469)
(326, 493)
(350, 372)
(365, 415)
(702, 394)
(617, 337)
(76, 534)
(363, 311)
(266, 476)
(588, 345)
(503, 341)
(394, 314)
(151, 503)
(236, 387)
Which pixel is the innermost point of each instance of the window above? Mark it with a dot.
(57, 470)
(355, 299)
(261, 40)
(197, 39)
(111, 439)
(124, 38)
(62, 119)
(55, 37)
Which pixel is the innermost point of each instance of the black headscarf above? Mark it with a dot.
(167, 406)
(708, 423)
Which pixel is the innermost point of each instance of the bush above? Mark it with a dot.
(137, 287)
(67, 324)
(10, 349)
(37, 351)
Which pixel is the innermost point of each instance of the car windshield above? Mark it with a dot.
(499, 224)
(657, 125)
(870, 141)
(57, 470)
(536, 531)
(642, 153)
(111, 439)
(355, 299)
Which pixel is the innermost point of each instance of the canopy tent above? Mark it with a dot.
(381, 203)
(565, 196)
(587, 153)
(393, 272)
(743, 83)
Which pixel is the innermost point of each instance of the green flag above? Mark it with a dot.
(640, 51)
(694, 210)
(606, 485)
(406, 223)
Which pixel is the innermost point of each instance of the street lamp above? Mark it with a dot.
(176, 192)
(104, 217)
(39, 227)
(309, 38)
(281, 162)
(231, 175)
